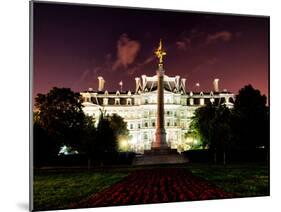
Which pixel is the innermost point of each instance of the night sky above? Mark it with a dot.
(74, 44)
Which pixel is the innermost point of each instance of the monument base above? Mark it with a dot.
(159, 156)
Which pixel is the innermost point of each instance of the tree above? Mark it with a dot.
(245, 127)
(60, 114)
(89, 140)
(194, 134)
(121, 131)
(202, 121)
(251, 119)
(106, 144)
(44, 148)
(212, 124)
(221, 132)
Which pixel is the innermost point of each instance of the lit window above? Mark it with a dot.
(191, 101)
(105, 101)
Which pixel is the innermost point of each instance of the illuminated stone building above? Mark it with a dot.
(138, 108)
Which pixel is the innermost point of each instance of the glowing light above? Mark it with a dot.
(123, 144)
(66, 150)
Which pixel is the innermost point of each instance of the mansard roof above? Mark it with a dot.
(173, 84)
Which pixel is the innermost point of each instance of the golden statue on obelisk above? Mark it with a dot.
(160, 53)
(160, 134)
(160, 152)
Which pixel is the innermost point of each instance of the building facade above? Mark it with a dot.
(138, 108)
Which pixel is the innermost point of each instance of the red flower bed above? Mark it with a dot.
(156, 186)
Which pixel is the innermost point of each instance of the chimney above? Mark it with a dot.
(216, 85)
(101, 83)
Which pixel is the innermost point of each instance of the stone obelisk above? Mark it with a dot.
(160, 152)
(160, 135)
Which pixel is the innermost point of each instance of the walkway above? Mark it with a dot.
(155, 186)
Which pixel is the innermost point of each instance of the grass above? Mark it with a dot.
(242, 180)
(56, 190)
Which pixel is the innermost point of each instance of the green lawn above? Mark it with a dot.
(243, 180)
(56, 190)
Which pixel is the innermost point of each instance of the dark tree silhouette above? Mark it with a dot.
(246, 127)
(60, 114)
(44, 148)
(221, 132)
(89, 140)
(119, 127)
(202, 121)
(106, 142)
(251, 119)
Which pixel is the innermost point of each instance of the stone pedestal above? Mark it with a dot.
(159, 156)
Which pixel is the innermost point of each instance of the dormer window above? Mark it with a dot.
(129, 101)
(146, 101)
(117, 101)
